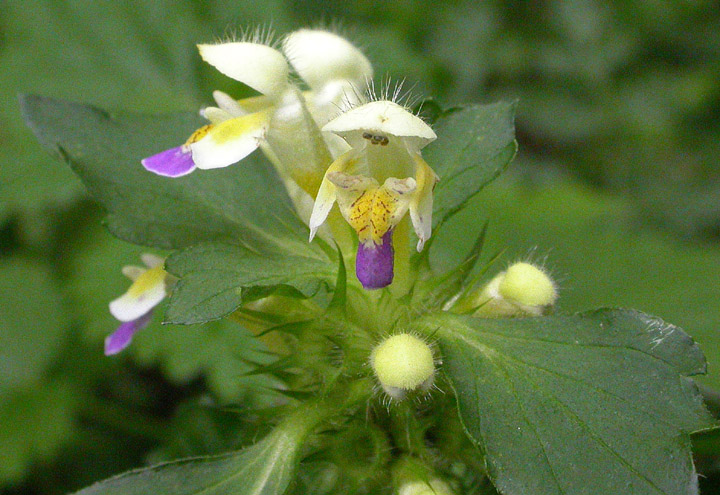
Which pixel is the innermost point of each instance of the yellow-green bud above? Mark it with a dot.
(433, 487)
(522, 290)
(411, 476)
(528, 285)
(403, 363)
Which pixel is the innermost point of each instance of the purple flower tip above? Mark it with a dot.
(374, 263)
(174, 162)
(124, 334)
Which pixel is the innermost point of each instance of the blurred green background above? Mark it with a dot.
(616, 189)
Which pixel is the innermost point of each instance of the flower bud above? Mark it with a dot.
(527, 285)
(522, 290)
(432, 487)
(412, 477)
(403, 363)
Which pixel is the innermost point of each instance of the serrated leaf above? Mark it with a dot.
(213, 277)
(475, 143)
(266, 468)
(245, 203)
(588, 404)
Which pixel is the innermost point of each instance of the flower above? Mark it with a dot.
(331, 66)
(385, 141)
(134, 308)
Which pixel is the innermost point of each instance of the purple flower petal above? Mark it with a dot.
(374, 263)
(174, 162)
(122, 337)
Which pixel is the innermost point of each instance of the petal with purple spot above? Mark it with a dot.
(174, 162)
(124, 334)
(374, 263)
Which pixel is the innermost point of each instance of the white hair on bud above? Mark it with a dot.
(263, 34)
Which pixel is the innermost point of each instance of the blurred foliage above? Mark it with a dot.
(624, 96)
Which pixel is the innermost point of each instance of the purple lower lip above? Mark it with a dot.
(122, 337)
(374, 263)
(174, 162)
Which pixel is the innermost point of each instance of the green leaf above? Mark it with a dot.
(33, 322)
(266, 468)
(213, 277)
(592, 403)
(245, 203)
(475, 143)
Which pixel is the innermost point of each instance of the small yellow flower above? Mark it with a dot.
(385, 142)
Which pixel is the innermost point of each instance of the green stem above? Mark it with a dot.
(341, 232)
(407, 433)
(301, 422)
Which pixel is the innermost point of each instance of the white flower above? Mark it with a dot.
(134, 307)
(330, 65)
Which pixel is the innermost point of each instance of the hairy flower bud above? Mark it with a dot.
(433, 487)
(411, 476)
(522, 290)
(403, 363)
(527, 285)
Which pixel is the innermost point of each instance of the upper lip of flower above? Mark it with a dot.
(382, 118)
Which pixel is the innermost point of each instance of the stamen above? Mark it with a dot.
(376, 138)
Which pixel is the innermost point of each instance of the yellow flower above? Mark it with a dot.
(385, 141)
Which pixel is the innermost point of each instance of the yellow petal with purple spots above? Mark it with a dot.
(372, 210)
